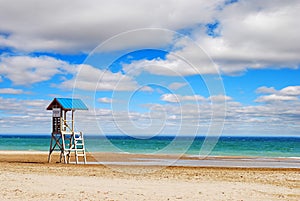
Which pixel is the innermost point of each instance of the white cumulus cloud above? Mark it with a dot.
(289, 93)
(219, 98)
(255, 34)
(275, 97)
(94, 79)
(105, 100)
(249, 35)
(11, 91)
(176, 85)
(176, 98)
(25, 70)
(74, 26)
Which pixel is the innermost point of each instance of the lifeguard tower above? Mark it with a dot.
(64, 138)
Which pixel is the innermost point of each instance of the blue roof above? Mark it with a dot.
(68, 104)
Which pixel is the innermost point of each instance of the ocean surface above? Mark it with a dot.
(225, 146)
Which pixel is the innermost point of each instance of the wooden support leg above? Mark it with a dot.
(50, 150)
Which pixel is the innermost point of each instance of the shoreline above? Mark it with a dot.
(130, 159)
(11, 152)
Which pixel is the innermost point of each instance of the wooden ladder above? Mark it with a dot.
(73, 142)
(79, 147)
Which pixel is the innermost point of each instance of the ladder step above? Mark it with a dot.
(79, 138)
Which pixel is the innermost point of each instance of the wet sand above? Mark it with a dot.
(28, 176)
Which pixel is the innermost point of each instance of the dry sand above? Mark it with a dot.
(28, 176)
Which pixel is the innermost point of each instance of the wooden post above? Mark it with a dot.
(73, 121)
(65, 120)
(50, 150)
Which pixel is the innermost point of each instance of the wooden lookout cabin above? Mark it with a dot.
(64, 137)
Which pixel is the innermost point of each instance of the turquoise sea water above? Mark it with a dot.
(226, 146)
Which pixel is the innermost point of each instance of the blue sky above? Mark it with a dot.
(149, 68)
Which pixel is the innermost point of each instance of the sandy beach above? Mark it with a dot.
(28, 176)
